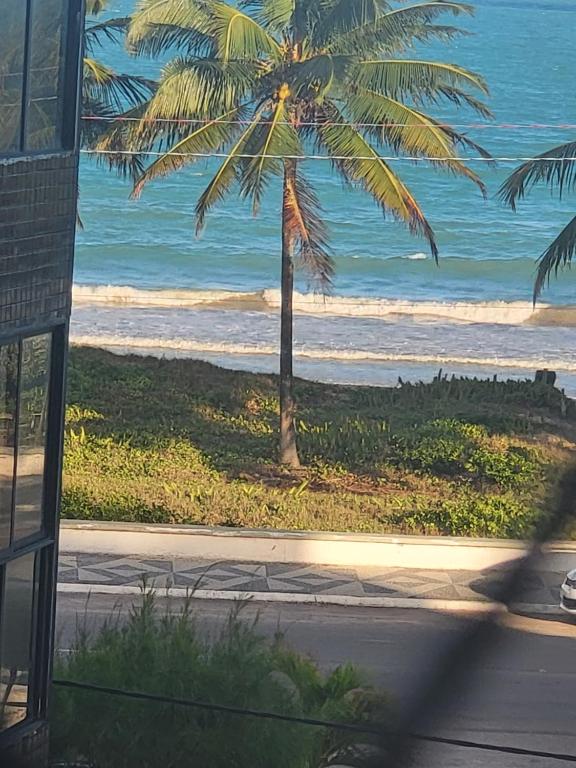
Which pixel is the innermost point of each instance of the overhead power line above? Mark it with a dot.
(224, 708)
(332, 158)
(311, 124)
(359, 728)
(564, 757)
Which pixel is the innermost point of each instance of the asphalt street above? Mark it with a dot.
(521, 692)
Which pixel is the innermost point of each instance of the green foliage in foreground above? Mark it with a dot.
(166, 653)
(186, 442)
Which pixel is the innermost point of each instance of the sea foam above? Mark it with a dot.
(493, 312)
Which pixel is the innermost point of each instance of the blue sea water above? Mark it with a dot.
(145, 282)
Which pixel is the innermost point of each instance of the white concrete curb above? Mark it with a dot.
(443, 606)
(311, 548)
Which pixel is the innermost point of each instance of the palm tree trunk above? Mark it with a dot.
(288, 448)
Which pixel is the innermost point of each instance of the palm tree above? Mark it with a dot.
(266, 82)
(557, 169)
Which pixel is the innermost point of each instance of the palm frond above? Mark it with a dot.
(460, 98)
(210, 137)
(273, 15)
(114, 90)
(99, 118)
(239, 36)
(411, 39)
(344, 17)
(114, 138)
(158, 26)
(224, 177)
(110, 30)
(407, 130)
(556, 168)
(273, 138)
(375, 176)
(199, 89)
(557, 256)
(323, 7)
(462, 140)
(204, 26)
(425, 33)
(161, 38)
(417, 80)
(398, 27)
(305, 223)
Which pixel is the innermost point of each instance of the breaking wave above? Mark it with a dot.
(494, 312)
(118, 295)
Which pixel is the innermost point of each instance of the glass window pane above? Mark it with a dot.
(46, 74)
(8, 392)
(32, 420)
(16, 624)
(12, 37)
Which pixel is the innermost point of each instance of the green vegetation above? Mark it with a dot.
(181, 441)
(557, 169)
(163, 653)
(106, 93)
(265, 83)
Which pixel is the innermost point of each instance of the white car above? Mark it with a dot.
(568, 593)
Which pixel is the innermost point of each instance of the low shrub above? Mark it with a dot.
(508, 468)
(166, 654)
(441, 446)
(452, 447)
(501, 516)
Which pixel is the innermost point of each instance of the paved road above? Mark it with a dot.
(523, 693)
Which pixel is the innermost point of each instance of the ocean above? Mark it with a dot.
(144, 283)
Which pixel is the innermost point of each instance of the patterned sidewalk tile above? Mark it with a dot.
(303, 579)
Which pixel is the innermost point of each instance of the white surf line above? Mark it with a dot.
(351, 601)
(132, 343)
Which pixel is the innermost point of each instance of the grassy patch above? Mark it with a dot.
(165, 653)
(186, 442)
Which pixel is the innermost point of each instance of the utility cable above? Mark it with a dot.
(331, 158)
(373, 730)
(311, 124)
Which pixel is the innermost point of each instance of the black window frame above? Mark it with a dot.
(68, 132)
(44, 544)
